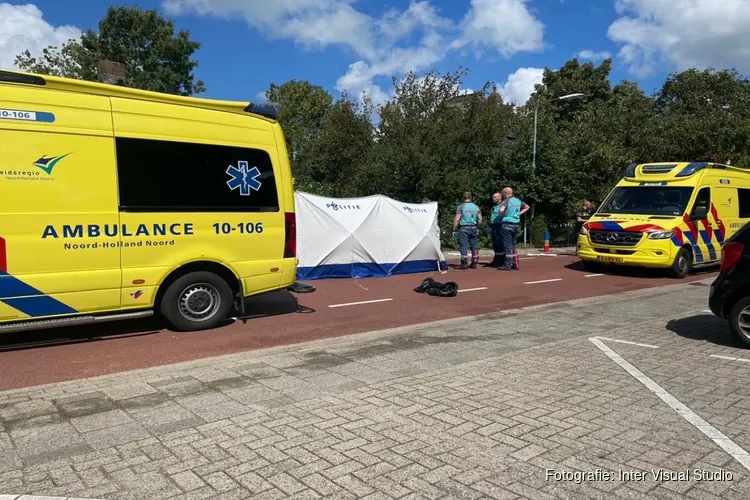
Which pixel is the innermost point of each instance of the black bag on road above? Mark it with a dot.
(437, 289)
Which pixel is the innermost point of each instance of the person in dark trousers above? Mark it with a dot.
(511, 210)
(582, 215)
(466, 228)
(496, 231)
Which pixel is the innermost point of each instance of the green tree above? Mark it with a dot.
(572, 78)
(705, 115)
(155, 58)
(583, 144)
(343, 147)
(602, 139)
(432, 143)
(408, 142)
(303, 110)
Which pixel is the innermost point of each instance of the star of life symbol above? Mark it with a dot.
(243, 178)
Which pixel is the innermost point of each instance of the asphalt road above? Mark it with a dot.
(338, 307)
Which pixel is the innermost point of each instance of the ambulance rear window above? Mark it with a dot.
(165, 176)
(648, 200)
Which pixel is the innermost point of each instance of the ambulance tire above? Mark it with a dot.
(734, 320)
(196, 301)
(682, 265)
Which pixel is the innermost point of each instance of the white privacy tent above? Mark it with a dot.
(365, 237)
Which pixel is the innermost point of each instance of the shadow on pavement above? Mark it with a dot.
(273, 304)
(706, 327)
(637, 272)
(630, 272)
(261, 306)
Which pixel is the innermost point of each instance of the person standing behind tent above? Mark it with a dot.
(465, 227)
(496, 230)
(511, 210)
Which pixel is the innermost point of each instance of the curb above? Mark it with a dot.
(535, 252)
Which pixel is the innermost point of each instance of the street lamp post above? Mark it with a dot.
(533, 158)
(536, 109)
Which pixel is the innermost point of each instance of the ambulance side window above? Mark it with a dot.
(167, 176)
(702, 200)
(743, 196)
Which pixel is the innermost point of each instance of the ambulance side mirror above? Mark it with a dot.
(700, 212)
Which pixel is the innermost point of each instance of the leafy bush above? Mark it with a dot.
(538, 227)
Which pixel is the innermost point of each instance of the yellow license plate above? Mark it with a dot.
(613, 260)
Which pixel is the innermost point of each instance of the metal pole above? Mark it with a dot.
(533, 158)
(533, 168)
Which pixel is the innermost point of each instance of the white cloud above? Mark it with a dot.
(23, 28)
(393, 43)
(311, 23)
(358, 80)
(681, 34)
(504, 25)
(520, 85)
(592, 55)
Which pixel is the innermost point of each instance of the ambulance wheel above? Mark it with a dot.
(196, 301)
(682, 264)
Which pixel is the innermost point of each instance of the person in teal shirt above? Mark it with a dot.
(466, 229)
(511, 210)
(495, 230)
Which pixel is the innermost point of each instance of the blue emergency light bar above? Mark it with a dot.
(265, 109)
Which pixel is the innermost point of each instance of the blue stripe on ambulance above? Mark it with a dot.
(696, 249)
(609, 225)
(709, 245)
(29, 300)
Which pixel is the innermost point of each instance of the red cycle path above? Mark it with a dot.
(279, 319)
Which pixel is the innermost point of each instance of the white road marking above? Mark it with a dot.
(592, 275)
(719, 356)
(360, 303)
(526, 258)
(707, 311)
(473, 289)
(542, 254)
(729, 358)
(629, 342)
(735, 450)
(542, 281)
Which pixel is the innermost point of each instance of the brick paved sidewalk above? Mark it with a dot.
(478, 407)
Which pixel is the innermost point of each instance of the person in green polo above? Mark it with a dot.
(496, 230)
(466, 229)
(511, 210)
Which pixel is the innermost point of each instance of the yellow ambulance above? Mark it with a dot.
(673, 215)
(118, 203)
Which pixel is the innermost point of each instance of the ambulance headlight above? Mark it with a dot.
(584, 231)
(661, 235)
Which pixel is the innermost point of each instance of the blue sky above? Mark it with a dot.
(357, 44)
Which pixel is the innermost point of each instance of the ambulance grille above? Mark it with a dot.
(615, 238)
